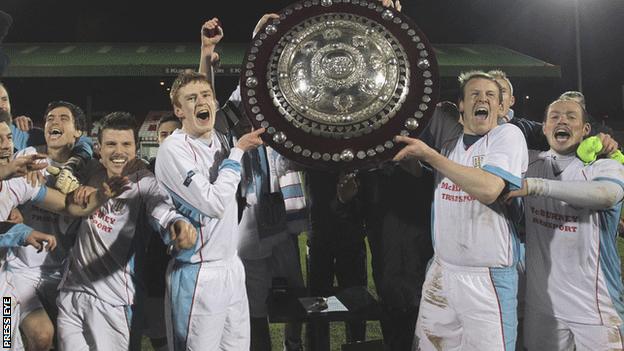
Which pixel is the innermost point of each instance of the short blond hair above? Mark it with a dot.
(575, 96)
(184, 79)
(465, 77)
(499, 74)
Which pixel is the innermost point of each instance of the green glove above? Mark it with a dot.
(618, 156)
(589, 149)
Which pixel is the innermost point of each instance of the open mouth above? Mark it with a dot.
(562, 135)
(203, 115)
(55, 133)
(119, 161)
(5, 158)
(481, 113)
(203, 111)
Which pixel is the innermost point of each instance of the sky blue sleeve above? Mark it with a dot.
(83, 148)
(20, 138)
(13, 235)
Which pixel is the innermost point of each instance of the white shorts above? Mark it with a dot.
(283, 262)
(36, 290)
(206, 306)
(7, 288)
(467, 308)
(544, 332)
(87, 323)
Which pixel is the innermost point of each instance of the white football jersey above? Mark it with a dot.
(45, 222)
(202, 178)
(15, 192)
(103, 259)
(573, 267)
(465, 231)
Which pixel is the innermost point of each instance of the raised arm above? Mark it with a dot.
(211, 35)
(55, 201)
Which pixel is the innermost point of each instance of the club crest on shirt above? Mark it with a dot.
(115, 206)
(477, 161)
(189, 178)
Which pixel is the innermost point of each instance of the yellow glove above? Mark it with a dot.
(589, 149)
(66, 182)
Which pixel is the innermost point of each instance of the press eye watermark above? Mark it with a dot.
(6, 322)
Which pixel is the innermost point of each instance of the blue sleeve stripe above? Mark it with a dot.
(292, 191)
(613, 180)
(154, 224)
(84, 147)
(20, 138)
(190, 213)
(15, 236)
(514, 182)
(43, 190)
(231, 164)
(185, 209)
(610, 263)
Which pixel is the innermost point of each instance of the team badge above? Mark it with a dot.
(189, 178)
(477, 161)
(116, 206)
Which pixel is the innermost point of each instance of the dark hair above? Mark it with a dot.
(80, 120)
(182, 80)
(168, 117)
(466, 77)
(5, 117)
(119, 120)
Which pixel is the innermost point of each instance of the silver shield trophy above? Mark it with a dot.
(333, 81)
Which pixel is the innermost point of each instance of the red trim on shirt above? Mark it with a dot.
(125, 272)
(14, 194)
(597, 272)
(126, 283)
(191, 147)
(201, 246)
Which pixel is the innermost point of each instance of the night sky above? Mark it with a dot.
(541, 28)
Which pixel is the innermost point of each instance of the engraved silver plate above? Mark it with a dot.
(341, 79)
(339, 70)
